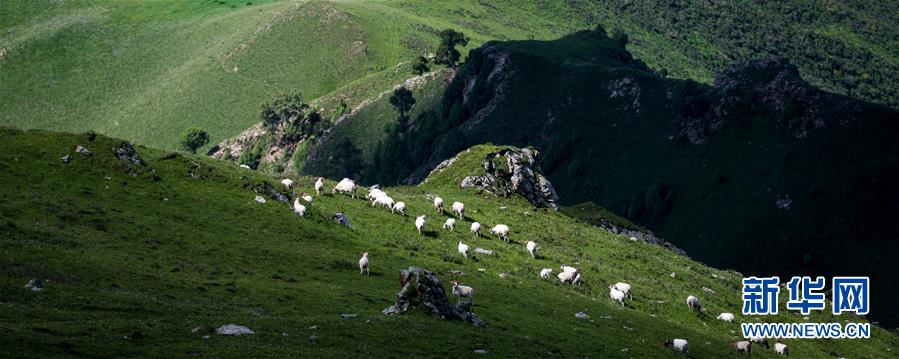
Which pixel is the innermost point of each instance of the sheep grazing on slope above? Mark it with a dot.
(744, 346)
(306, 197)
(345, 185)
(623, 288)
(545, 273)
(298, 207)
(438, 204)
(532, 247)
(420, 223)
(374, 192)
(679, 345)
(363, 264)
(760, 341)
(459, 209)
(568, 268)
(567, 277)
(502, 231)
(450, 224)
(693, 304)
(463, 249)
(319, 185)
(616, 295)
(287, 182)
(399, 207)
(726, 317)
(476, 229)
(781, 348)
(383, 201)
(462, 291)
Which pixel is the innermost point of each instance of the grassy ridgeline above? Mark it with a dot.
(153, 256)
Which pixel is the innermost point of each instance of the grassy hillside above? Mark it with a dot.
(133, 263)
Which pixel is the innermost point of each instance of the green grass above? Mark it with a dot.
(134, 263)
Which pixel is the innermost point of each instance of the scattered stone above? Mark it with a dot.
(503, 275)
(482, 270)
(480, 351)
(784, 202)
(513, 171)
(673, 275)
(233, 329)
(284, 334)
(195, 329)
(456, 272)
(205, 337)
(260, 199)
(313, 338)
(581, 315)
(82, 150)
(480, 250)
(504, 207)
(35, 285)
(314, 327)
(126, 152)
(709, 290)
(348, 316)
(66, 159)
(633, 239)
(422, 288)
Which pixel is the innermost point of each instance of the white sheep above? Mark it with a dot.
(319, 185)
(693, 304)
(726, 317)
(345, 185)
(363, 264)
(545, 273)
(623, 288)
(616, 295)
(532, 247)
(438, 204)
(566, 277)
(374, 192)
(501, 230)
(462, 291)
(463, 249)
(399, 207)
(577, 279)
(306, 197)
(760, 341)
(679, 345)
(450, 224)
(459, 209)
(781, 348)
(568, 268)
(744, 346)
(298, 207)
(420, 223)
(287, 182)
(476, 229)
(384, 201)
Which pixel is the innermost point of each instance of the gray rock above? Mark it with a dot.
(35, 285)
(233, 329)
(66, 159)
(126, 152)
(480, 250)
(480, 351)
(260, 199)
(82, 150)
(348, 316)
(422, 288)
(518, 173)
(581, 315)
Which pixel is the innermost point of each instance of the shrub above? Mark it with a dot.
(194, 138)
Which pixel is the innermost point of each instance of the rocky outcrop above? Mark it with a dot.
(422, 288)
(514, 171)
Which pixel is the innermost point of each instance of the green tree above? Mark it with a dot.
(402, 100)
(194, 138)
(281, 109)
(420, 65)
(446, 52)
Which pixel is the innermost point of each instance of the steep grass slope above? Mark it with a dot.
(133, 263)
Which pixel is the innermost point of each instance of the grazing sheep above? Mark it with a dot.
(577, 279)
(616, 295)
(420, 223)
(693, 304)
(438, 204)
(502, 231)
(679, 345)
(399, 207)
(463, 291)
(532, 247)
(384, 201)
(476, 229)
(568, 268)
(319, 185)
(567, 277)
(374, 192)
(463, 249)
(744, 346)
(546, 272)
(726, 317)
(306, 197)
(623, 288)
(298, 207)
(363, 264)
(781, 348)
(459, 209)
(760, 341)
(449, 224)
(345, 185)
(287, 182)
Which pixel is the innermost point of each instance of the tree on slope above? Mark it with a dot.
(194, 138)
(402, 100)
(446, 52)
